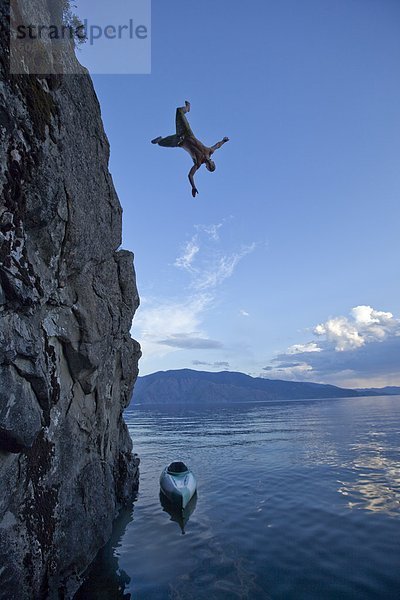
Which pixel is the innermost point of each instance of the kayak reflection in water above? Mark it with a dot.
(180, 516)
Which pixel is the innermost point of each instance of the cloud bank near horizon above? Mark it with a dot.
(359, 350)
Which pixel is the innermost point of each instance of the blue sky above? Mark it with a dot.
(299, 224)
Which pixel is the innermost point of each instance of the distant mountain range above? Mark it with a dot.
(389, 390)
(200, 387)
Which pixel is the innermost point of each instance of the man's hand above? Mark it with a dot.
(226, 139)
(194, 192)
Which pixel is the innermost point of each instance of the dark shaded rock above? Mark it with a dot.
(67, 362)
(20, 415)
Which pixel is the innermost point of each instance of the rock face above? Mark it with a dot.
(67, 362)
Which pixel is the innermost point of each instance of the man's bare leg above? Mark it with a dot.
(172, 141)
(182, 128)
(182, 125)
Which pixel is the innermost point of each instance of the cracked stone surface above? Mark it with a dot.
(67, 361)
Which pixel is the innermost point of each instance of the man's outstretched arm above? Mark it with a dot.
(219, 144)
(192, 172)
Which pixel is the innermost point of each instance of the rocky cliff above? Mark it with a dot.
(67, 362)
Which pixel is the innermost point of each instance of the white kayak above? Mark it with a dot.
(178, 484)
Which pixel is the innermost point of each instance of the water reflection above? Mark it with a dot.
(177, 514)
(277, 530)
(376, 467)
(104, 579)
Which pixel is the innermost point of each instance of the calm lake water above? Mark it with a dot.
(296, 500)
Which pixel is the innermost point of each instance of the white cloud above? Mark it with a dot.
(296, 372)
(367, 315)
(219, 269)
(162, 319)
(185, 261)
(190, 341)
(360, 350)
(211, 230)
(204, 260)
(364, 325)
(301, 348)
(341, 332)
(244, 313)
(157, 321)
(215, 365)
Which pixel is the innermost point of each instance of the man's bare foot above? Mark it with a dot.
(187, 104)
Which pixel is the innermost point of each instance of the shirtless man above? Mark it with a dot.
(185, 138)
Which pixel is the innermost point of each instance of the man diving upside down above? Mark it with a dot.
(185, 138)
